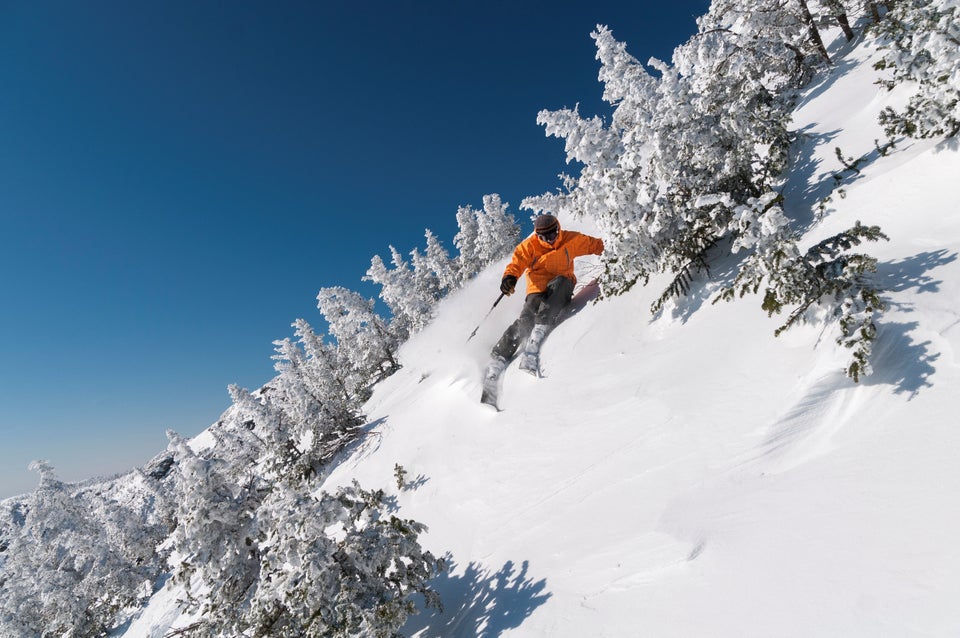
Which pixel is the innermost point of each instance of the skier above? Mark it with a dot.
(547, 256)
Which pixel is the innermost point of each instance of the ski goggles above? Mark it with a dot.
(549, 236)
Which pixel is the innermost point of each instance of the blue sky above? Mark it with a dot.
(179, 179)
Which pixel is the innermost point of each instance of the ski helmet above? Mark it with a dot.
(546, 226)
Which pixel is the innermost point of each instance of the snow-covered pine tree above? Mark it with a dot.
(213, 548)
(41, 571)
(426, 287)
(11, 519)
(319, 428)
(272, 419)
(299, 402)
(497, 230)
(484, 236)
(332, 565)
(921, 39)
(271, 558)
(758, 223)
(813, 32)
(411, 306)
(826, 275)
(786, 27)
(72, 564)
(465, 241)
(327, 377)
(435, 271)
(394, 284)
(876, 10)
(363, 339)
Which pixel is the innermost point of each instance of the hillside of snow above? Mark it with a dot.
(689, 474)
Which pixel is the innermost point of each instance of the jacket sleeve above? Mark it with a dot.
(587, 245)
(520, 261)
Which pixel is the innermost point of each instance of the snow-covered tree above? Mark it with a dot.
(410, 309)
(362, 336)
(326, 376)
(813, 32)
(274, 559)
(781, 33)
(270, 427)
(427, 289)
(321, 420)
(826, 276)
(877, 9)
(484, 236)
(412, 289)
(465, 241)
(497, 230)
(213, 545)
(72, 564)
(435, 271)
(332, 565)
(921, 39)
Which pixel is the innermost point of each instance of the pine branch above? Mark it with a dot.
(833, 246)
(185, 630)
(850, 164)
(680, 286)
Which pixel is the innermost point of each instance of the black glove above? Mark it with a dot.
(507, 284)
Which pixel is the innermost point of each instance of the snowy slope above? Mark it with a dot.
(689, 474)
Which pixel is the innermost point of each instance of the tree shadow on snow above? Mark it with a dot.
(900, 361)
(897, 359)
(949, 144)
(910, 273)
(823, 82)
(813, 182)
(809, 182)
(480, 604)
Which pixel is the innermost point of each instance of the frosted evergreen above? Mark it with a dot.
(921, 39)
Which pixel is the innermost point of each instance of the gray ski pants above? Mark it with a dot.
(538, 308)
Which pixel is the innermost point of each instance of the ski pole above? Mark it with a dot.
(485, 316)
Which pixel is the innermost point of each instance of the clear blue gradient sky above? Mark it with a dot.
(179, 179)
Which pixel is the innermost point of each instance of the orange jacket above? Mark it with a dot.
(546, 261)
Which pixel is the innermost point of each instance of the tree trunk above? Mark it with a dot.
(874, 11)
(844, 23)
(814, 32)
